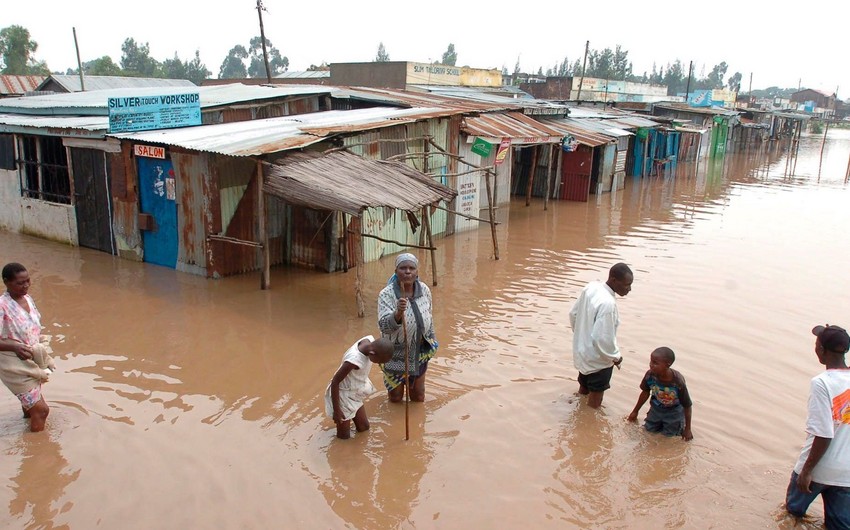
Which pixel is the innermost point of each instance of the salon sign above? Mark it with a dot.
(149, 151)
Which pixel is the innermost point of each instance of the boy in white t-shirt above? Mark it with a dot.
(824, 464)
(351, 385)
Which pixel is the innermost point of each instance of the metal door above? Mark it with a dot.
(157, 194)
(92, 199)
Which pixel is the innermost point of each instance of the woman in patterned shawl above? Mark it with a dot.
(406, 297)
(20, 332)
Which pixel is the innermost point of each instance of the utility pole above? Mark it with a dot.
(583, 68)
(750, 90)
(79, 64)
(688, 86)
(260, 10)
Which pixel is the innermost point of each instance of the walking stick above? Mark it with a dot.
(406, 380)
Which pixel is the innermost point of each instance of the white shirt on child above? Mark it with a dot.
(356, 386)
(829, 417)
(594, 319)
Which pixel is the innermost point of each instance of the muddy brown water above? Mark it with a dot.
(188, 403)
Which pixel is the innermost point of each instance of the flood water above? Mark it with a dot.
(182, 402)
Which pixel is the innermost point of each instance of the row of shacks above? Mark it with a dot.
(314, 176)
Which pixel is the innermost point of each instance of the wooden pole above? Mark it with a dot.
(358, 276)
(79, 64)
(399, 243)
(260, 10)
(530, 185)
(344, 242)
(583, 68)
(406, 380)
(492, 214)
(559, 174)
(426, 220)
(549, 176)
(822, 146)
(265, 278)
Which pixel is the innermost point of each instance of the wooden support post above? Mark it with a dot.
(344, 242)
(265, 277)
(822, 146)
(426, 220)
(358, 277)
(549, 176)
(559, 173)
(492, 214)
(534, 153)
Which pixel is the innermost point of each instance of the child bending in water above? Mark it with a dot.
(670, 407)
(351, 385)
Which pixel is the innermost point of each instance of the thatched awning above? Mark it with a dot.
(347, 183)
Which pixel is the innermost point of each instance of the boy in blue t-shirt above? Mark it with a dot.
(670, 407)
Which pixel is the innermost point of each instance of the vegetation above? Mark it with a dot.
(449, 56)
(382, 56)
(16, 53)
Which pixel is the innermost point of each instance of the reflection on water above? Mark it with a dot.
(201, 401)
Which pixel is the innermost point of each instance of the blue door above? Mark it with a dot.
(157, 195)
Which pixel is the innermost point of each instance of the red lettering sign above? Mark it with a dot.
(149, 151)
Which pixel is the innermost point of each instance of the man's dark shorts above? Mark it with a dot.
(597, 381)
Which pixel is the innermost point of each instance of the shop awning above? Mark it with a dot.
(347, 183)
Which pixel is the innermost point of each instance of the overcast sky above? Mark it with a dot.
(780, 44)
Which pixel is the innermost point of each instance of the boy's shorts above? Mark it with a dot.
(597, 381)
(670, 421)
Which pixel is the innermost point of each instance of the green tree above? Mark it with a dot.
(174, 68)
(382, 56)
(714, 80)
(450, 56)
(233, 66)
(16, 49)
(100, 66)
(257, 68)
(675, 78)
(734, 82)
(136, 60)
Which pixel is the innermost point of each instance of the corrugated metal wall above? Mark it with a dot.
(193, 181)
(576, 168)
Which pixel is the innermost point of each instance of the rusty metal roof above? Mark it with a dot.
(406, 98)
(18, 85)
(582, 134)
(259, 137)
(514, 125)
(345, 182)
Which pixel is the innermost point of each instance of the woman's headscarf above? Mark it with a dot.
(401, 258)
(406, 256)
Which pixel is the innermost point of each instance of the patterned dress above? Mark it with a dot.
(417, 332)
(16, 323)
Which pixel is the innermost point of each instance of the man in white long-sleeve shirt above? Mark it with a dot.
(594, 320)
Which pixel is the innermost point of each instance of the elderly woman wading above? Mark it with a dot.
(405, 297)
(25, 363)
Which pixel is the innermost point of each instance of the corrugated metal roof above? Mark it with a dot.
(514, 125)
(19, 84)
(89, 123)
(633, 122)
(306, 74)
(405, 98)
(71, 83)
(94, 102)
(600, 126)
(258, 137)
(684, 107)
(584, 136)
(347, 183)
(496, 96)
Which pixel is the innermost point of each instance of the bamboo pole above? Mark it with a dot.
(265, 277)
(358, 276)
(492, 214)
(535, 151)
